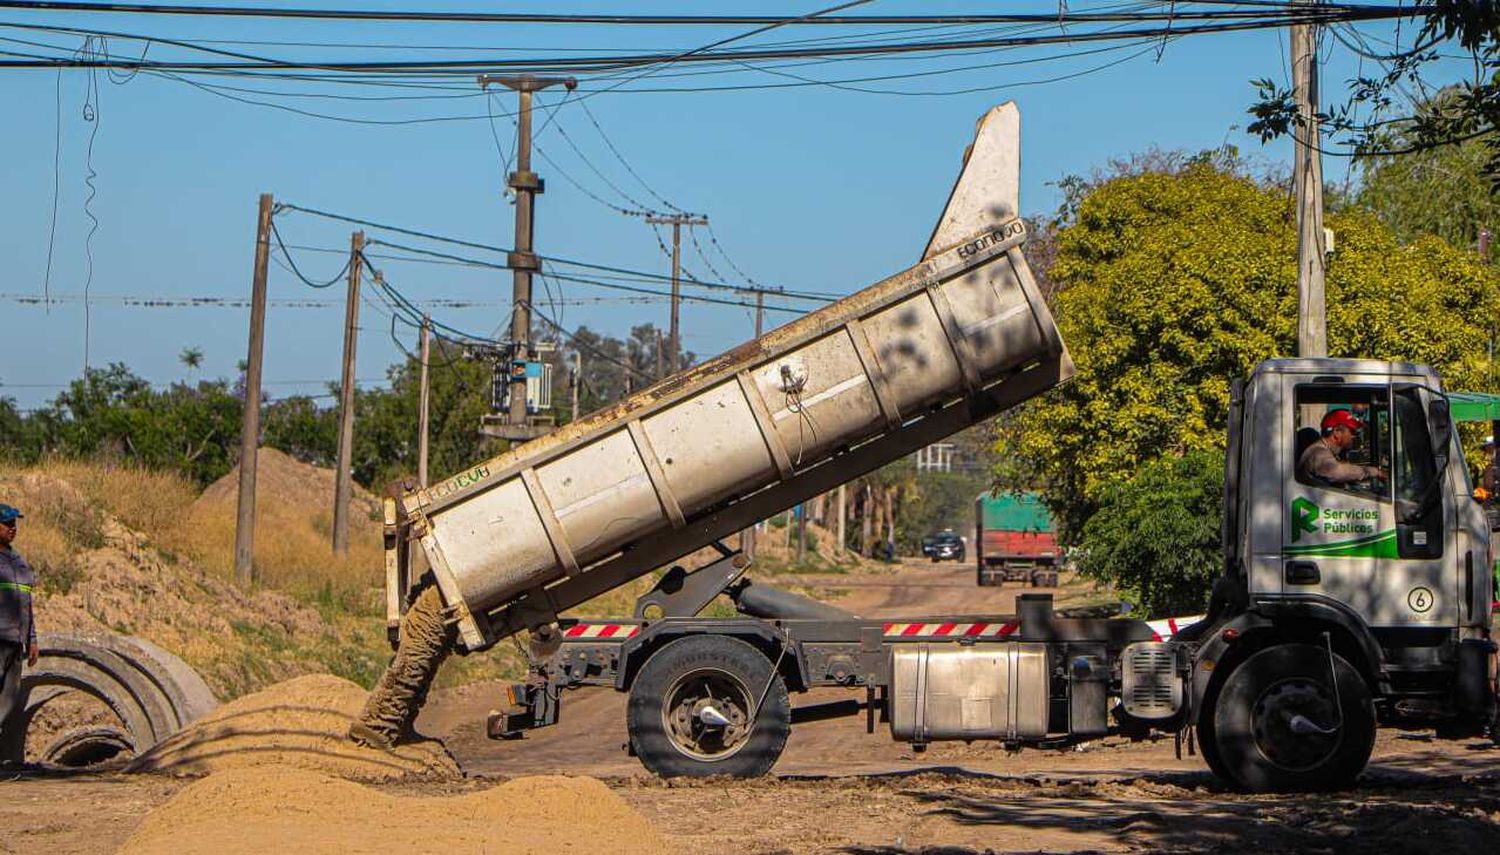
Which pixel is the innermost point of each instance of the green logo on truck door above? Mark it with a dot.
(1304, 518)
(1308, 520)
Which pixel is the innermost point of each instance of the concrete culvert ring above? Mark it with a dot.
(149, 694)
(83, 747)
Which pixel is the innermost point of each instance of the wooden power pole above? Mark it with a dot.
(1307, 176)
(343, 484)
(244, 525)
(522, 261)
(674, 334)
(422, 401)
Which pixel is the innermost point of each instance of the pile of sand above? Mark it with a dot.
(300, 723)
(275, 810)
(282, 479)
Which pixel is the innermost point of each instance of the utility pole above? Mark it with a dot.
(760, 311)
(244, 526)
(422, 401)
(577, 380)
(1312, 332)
(674, 336)
(801, 531)
(522, 261)
(659, 375)
(343, 484)
(840, 527)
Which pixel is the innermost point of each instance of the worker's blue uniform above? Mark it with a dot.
(17, 630)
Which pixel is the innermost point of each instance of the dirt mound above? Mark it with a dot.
(275, 810)
(285, 480)
(300, 724)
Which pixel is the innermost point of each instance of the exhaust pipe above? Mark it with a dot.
(764, 601)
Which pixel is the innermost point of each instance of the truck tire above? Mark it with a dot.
(687, 689)
(1252, 721)
(1208, 743)
(991, 578)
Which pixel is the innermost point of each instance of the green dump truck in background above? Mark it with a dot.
(1015, 541)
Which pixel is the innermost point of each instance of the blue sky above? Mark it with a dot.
(810, 188)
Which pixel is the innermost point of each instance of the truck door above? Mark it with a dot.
(1363, 506)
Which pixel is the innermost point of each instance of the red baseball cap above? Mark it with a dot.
(1341, 418)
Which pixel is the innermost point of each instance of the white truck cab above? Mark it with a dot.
(1357, 582)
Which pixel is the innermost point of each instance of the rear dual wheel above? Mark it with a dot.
(708, 705)
(1293, 717)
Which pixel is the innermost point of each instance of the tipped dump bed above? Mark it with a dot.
(711, 450)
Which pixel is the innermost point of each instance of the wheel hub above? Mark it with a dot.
(1295, 724)
(706, 715)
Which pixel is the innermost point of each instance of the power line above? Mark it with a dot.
(473, 17)
(1217, 23)
(567, 262)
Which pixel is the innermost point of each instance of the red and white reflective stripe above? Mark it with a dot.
(950, 629)
(1167, 627)
(618, 631)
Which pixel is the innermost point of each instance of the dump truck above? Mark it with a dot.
(1014, 540)
(1339, 606)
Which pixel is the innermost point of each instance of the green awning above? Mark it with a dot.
(1474, 406)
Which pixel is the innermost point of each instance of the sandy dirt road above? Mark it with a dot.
(840, 789)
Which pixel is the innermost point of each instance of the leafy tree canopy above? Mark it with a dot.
(1173, 284)
(1155, 536)
(1442, 191)
(1468, 110)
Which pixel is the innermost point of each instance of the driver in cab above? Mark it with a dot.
(1322, 461)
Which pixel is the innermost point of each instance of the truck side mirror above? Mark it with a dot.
(1440, 424)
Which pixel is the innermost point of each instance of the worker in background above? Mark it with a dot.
(1322, 461)
(17, 631)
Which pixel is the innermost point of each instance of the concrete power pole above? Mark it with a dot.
(1312, 331)
(423, 396)
(674, 335)
(842, 506)
(244, 526)
(343, 484)
(577, 381)
(522, 261)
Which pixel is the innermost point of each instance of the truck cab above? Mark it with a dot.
(1356, 585)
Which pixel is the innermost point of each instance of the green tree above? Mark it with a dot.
(1467, 110)
(385, 436)
(1155, 537)
(1174, 284)
(112, 412)
(1443, 192)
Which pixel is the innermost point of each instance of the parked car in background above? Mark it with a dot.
(946, 545)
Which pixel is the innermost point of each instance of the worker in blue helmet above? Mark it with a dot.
(17, 631)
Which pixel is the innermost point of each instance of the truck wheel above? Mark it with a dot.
(1276, 722)
(989, 578)
(1208, 743)
(691, 709)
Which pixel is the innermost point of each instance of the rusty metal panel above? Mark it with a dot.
(709, 447)
(819, 397)
(602, 496)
